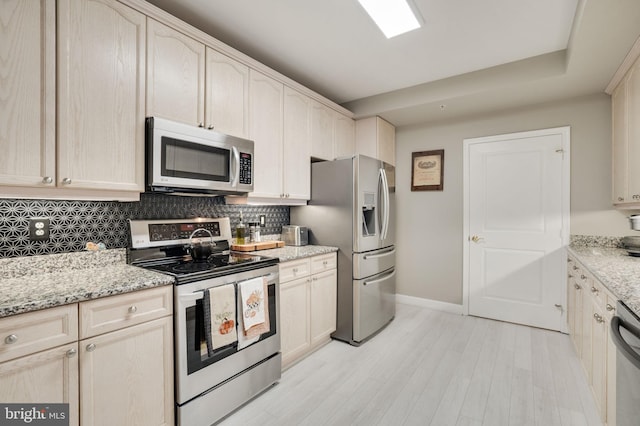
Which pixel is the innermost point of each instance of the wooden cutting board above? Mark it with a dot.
(263, 245)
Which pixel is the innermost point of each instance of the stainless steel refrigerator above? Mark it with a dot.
(352, 208)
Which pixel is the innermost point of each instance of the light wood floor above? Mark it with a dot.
(433, 368)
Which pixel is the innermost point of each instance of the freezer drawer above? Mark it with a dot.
(374, 304)
(373, 262)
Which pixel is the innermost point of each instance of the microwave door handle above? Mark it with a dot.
(236, 166)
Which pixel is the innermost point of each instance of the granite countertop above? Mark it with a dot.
(618, 271)
(39, 282)
(288, 253)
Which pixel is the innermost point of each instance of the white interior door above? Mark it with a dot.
(516, 218)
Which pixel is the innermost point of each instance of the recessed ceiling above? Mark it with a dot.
(334, 48)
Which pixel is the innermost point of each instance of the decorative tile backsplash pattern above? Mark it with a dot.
(74, 223)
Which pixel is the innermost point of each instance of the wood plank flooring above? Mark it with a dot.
(433, 368)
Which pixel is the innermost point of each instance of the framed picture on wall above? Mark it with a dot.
(427, 170)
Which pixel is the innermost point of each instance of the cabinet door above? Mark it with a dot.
(619, 137)
(587, 330)
(386, 142)
(294, 319)
(321, 131)
(101, 66)
(323, 306)
(27, 105)
(126, 376)
(297, 145)
(45, 377)
(265, 129)
(633, 135)
(175, 75)
(344, 136)
(227, 98)
(599, 360)
(576, 316)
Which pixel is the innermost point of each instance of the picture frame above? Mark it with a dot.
(427, 170)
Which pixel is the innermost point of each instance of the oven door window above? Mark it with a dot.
(197, 355)
(190, 160)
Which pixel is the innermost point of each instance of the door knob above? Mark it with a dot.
(476, 239)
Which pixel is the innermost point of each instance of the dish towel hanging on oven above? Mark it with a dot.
(255, 307)
(220, 316)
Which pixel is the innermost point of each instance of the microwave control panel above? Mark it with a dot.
(245, 168)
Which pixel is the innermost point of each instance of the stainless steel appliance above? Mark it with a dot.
(625, 332)
(194, 160)
(352, 208)
(295, 235)
(210, 383)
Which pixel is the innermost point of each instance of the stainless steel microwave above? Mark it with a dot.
(193, 160)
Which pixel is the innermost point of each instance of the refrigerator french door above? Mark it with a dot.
(352, 207)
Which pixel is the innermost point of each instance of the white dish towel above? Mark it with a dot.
(253, 302)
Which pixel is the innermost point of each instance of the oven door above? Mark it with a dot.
(197, 371)
(183, 158)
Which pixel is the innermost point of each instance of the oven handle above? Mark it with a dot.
(621, 344)
(197, 295)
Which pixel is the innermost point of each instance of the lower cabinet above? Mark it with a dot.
(308, 300)
(590, 309)
(119, 372)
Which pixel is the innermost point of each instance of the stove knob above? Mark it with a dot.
(155, 237)
(174, 236)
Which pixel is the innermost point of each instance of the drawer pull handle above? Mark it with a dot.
(594, 290)
(10, 339)
(577, 287)
(133, 309)
(71, 353)
(610, 308)
(598, 318)
(91, 347)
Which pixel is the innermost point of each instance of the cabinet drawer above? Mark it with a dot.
(116, 312)
(32, 332)
(294, 269)
(323, 263)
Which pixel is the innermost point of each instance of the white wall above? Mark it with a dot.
(429, 239)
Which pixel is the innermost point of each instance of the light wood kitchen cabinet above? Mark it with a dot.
(101, 65)
(227, 95)
(322, 119)
(175, 75)
(344, 136)
(27, 112)
(131, 341)
(625, 102)
(308, 300)
(38, 358)
(376, 138)
(590, 333)
(296, 173)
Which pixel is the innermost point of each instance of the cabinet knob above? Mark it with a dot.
(201, 124)
(635, 196)
(610, 308)
(11, 339)
(575, 268)
(295, 270)
(594, 290)
(324, 262)
(577, 287)
(71, 353)
(570, 276)
(66, 181)
(91, 347)
(582, 276)
(47, 179)
(598, 318)
(210, 127)
(133, 309)
(620, 198)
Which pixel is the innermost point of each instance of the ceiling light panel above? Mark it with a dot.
(393, 17)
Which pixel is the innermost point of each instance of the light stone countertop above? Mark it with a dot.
(288, 253)
(39, 282)
(618, 271)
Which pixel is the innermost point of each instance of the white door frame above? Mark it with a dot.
(565, 133)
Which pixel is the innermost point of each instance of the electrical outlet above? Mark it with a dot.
(263, 220)
(39, 229)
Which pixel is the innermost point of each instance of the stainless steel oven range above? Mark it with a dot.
(224, 356)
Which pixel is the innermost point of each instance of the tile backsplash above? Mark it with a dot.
(74, 223)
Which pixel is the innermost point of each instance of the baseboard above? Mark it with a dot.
(428, 303)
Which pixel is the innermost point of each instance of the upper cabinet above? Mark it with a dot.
(344, 141)
(321, 131)
(27, 99)
(625, 110)
(227, 95)
(296, 157)
(175, 75)
(101, 65)
(376, 138)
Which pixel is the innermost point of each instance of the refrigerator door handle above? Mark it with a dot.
(381, 279)
(376, 256)
(385, 196)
